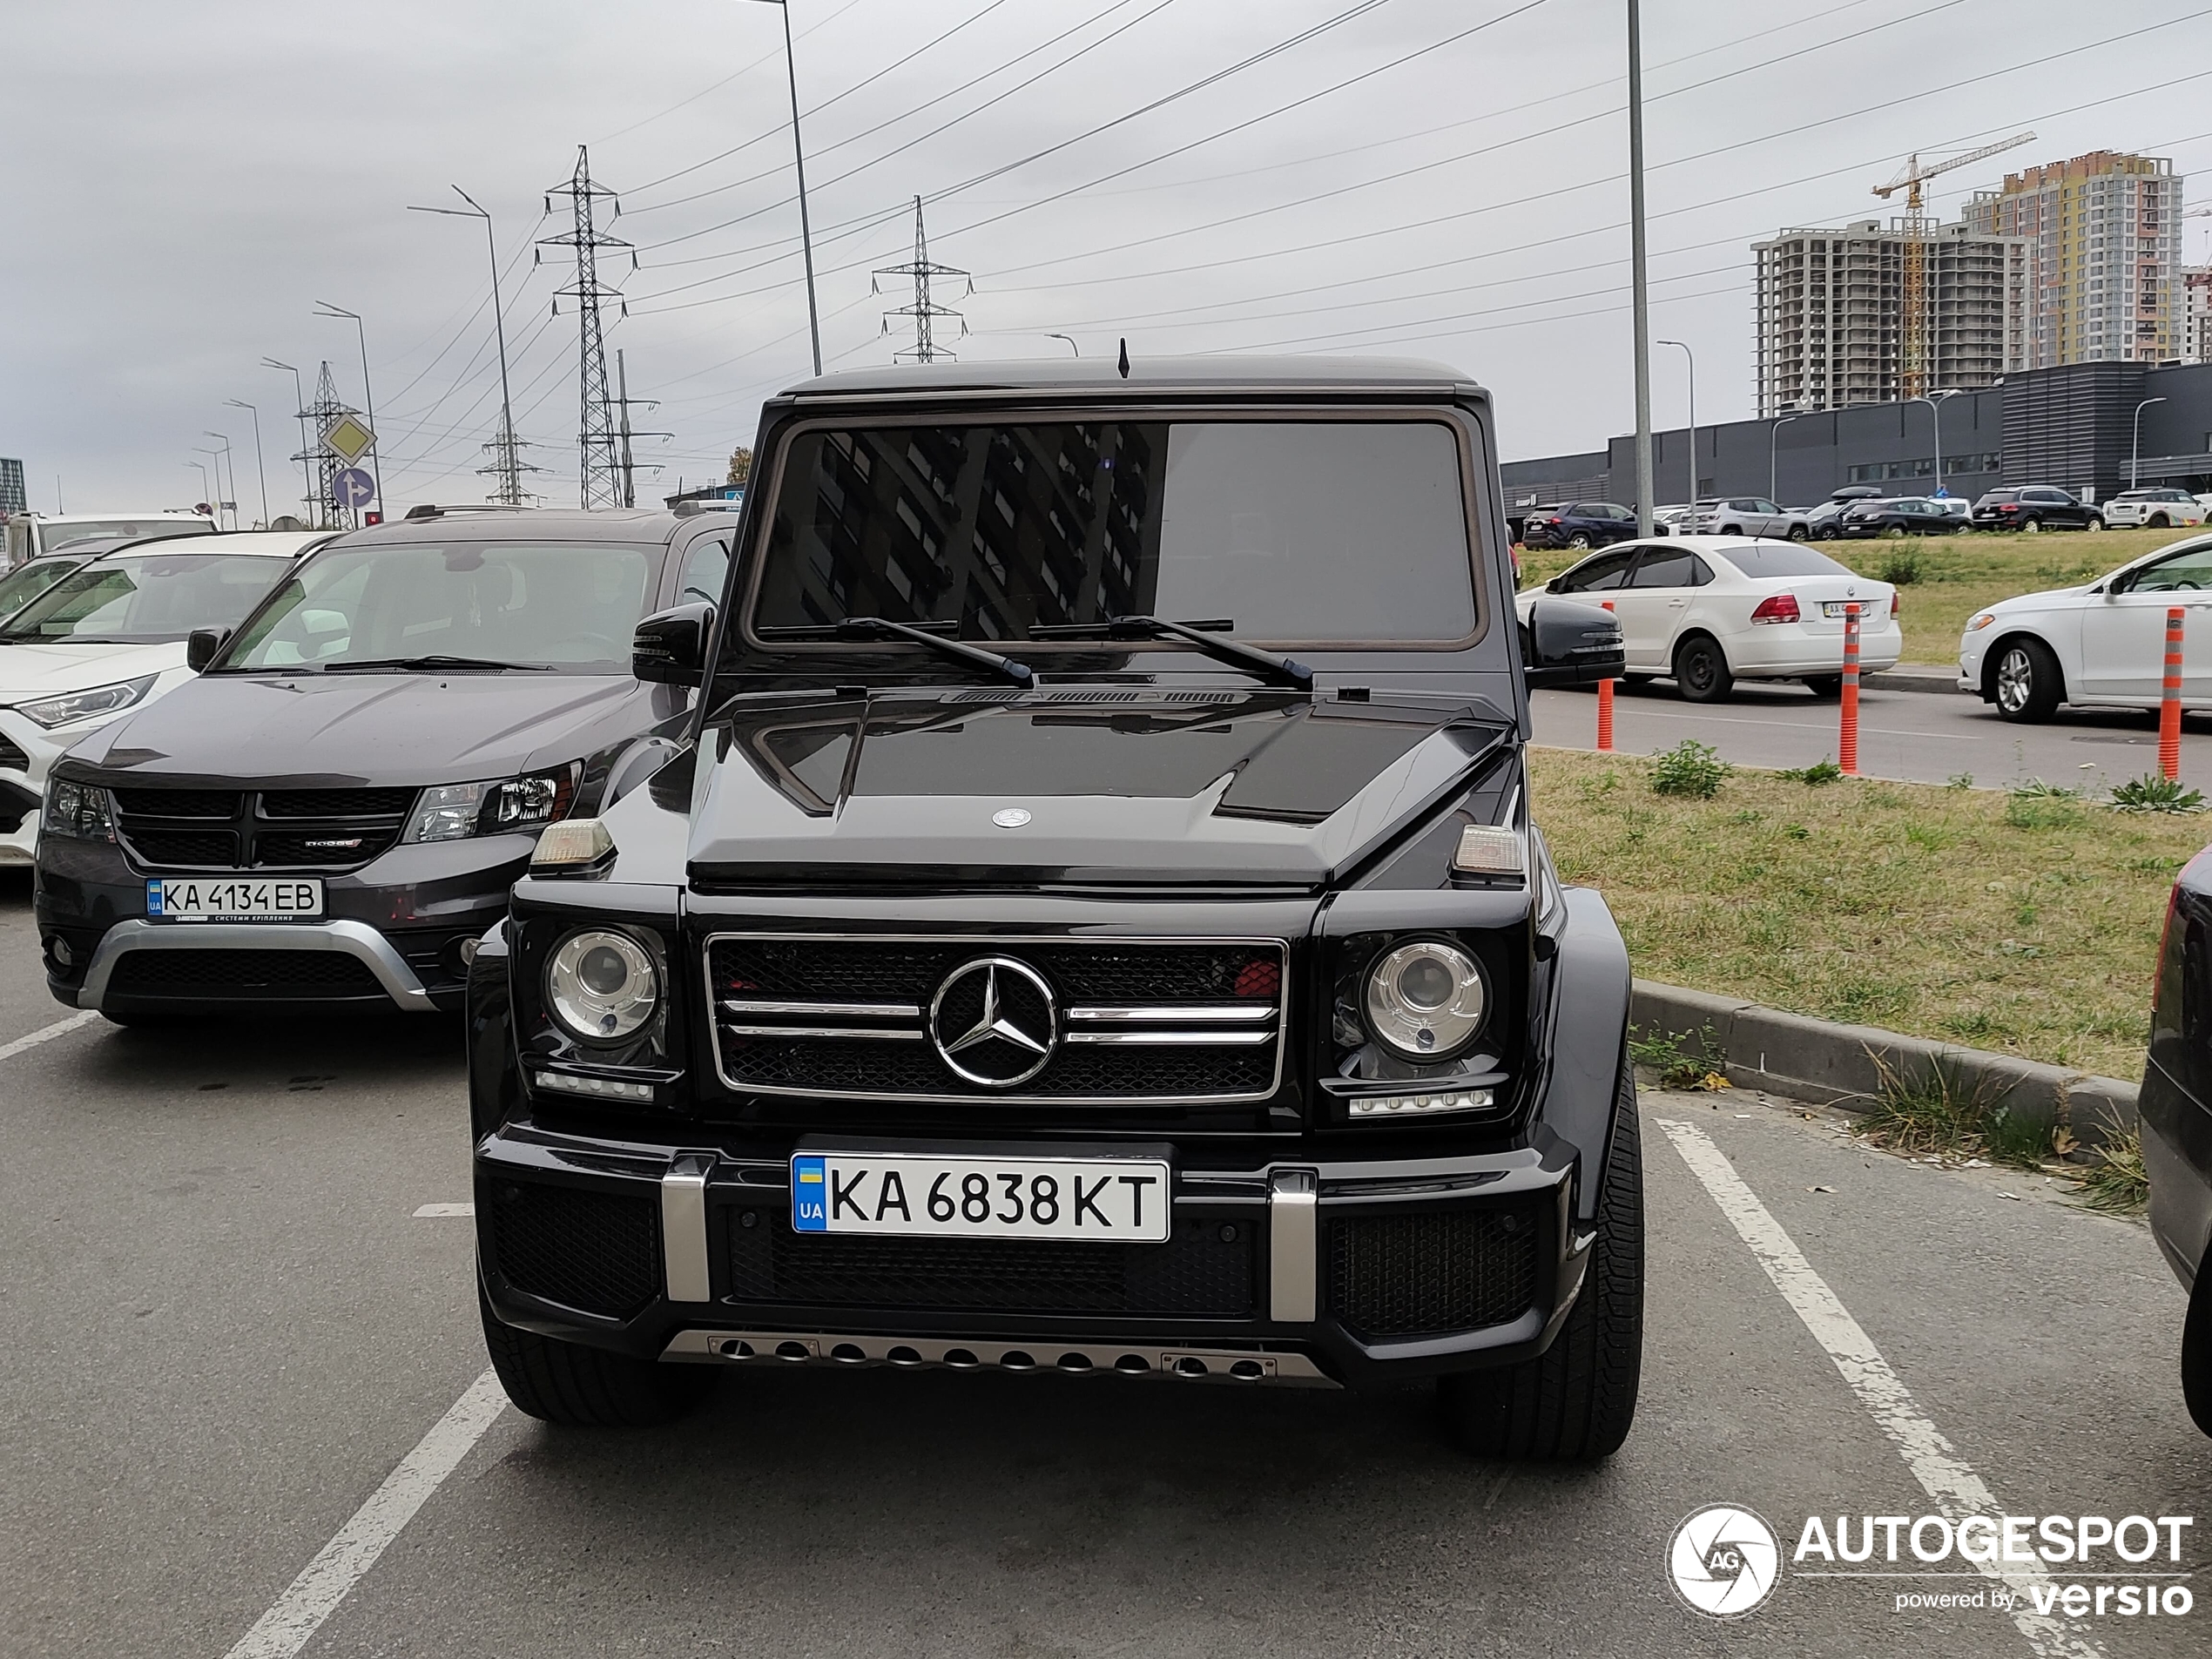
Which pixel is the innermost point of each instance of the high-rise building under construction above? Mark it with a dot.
(2104, 238)
(1831, 317)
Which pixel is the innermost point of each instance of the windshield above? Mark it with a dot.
(19, 589)
(1291, 532)
(52, 536)
(569, 604)
(1759, 559)
(143, 598)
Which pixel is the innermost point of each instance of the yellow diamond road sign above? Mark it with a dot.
(347, 438)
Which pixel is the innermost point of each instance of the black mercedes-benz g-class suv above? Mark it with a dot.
(1097, 926)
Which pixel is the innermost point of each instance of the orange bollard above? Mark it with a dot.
(1605, 707)
(2170, 701)
(1847, 741)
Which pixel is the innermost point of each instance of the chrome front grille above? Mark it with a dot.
(1124, 1021)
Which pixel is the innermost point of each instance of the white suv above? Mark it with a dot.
(1745, 516)
(2157, 509)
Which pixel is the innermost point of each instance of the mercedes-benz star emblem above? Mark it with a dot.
(994, 1023)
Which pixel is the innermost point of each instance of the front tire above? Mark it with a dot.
(579, 1387)
(1798, 533)
(1574, 1402)
(2197, 1351)
(1700, 669)
(2027, 683)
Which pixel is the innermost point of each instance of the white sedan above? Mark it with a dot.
(2100, 645)
(1711, 610)
(110, 636)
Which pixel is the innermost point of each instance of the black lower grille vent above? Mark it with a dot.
(243, 976)
(596, 1251)
(1422, 1275)
(1204, 1270)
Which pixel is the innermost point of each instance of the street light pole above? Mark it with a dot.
(369, 396)
(510, 475)
(232, 461)
(1773, 441)
(1934, 400)
(1692, 355)
(307, 449)
(2135, 448)
(1639, 276)
(260, 464)
(206, 489)
(798, 159)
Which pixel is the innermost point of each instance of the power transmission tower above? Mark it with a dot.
(507, 465)
(924, 310)
(320, 415)
(624, 402)
(601, 483)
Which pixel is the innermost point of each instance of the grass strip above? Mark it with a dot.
(2022, 922)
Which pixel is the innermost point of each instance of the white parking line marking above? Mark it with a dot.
(432, 1210)
(323, 1583)
(47, 1033)
(1957, 1490)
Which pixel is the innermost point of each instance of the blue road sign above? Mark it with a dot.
(353, 488)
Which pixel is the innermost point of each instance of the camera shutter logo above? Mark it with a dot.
(1724, 1561)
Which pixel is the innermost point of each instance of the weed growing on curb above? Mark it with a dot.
(1961, 780)
(1823, 771)
(1689, 768)
(2154, 792)
(1662, 1054)
(2116, 1182)
(1936, 1113)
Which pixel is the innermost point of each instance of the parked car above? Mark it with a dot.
(1578, 525)
(31, 535)
(1824, 522)
(905, 1019)
(1711, 610)
(2175, 1108)
(1674, 517)
(2039, 507)
(1902, 515)
(26, 582)
(109, 637)
(333, 810)
(2101, 644)
(2155, 510)
(1746, 516)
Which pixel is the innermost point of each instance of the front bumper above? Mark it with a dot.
(394, 933)
(27, 754)
(1352, 1272)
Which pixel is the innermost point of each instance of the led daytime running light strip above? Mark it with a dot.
(1460, 1100)
(605, 1088)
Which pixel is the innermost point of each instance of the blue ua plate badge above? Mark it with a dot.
(809, 1210)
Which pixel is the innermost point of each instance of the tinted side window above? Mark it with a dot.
(1671, 569)
(1591, 576)
(704, 567)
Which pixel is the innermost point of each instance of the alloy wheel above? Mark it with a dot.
(2015, 679)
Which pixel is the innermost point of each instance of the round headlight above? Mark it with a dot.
(1425, 1000)
(602, 986)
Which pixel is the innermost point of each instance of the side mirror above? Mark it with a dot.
(202, 645)
(1551, 586)
(1568, 642)
(669, 646)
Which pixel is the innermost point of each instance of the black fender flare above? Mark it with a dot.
(1585, 1040)
(495, 1070)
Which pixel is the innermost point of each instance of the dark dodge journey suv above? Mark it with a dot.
(1096, 926)
(333, 810)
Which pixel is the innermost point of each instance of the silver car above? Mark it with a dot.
(1746, 516)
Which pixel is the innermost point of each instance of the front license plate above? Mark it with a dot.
(225, 898)
(923, 1195)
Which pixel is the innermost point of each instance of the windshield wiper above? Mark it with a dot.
(1208, 636)
(433, 663)
(882, 628)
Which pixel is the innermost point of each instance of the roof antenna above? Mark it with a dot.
(1124, 362)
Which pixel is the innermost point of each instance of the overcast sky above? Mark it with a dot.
(183, 182)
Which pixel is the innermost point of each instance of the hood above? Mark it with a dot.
(314, 730)
(28, 672)
(1141, 787)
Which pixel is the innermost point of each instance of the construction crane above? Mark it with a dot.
(1914, 366)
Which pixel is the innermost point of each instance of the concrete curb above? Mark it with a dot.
(1917, 677)
(1841, 1065)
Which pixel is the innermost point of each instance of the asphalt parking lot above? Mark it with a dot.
(1917, 737)
(229, 1327)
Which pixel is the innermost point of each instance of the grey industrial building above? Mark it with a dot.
(2073, 426)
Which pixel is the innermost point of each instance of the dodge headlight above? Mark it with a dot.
(455, 811)
(602, 986)
(71, 706)
(1425, 1000)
